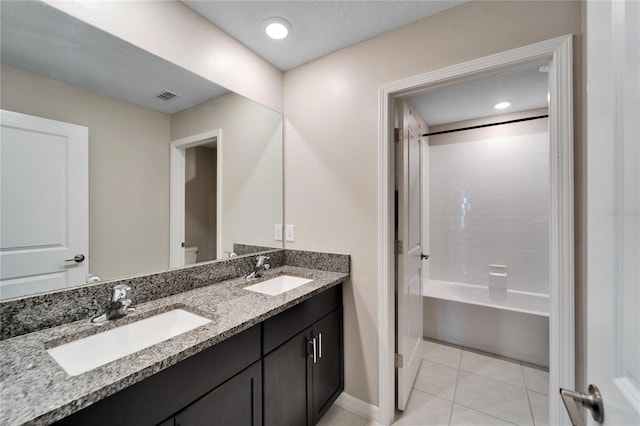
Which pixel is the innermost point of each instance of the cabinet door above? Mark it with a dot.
(285, 382)
(236, 402)
(328, 370)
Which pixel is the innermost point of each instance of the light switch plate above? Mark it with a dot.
(277, 232)
(289, 233)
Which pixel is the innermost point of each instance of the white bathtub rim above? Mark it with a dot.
(438, 289)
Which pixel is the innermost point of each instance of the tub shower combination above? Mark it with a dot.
(505, 322)
(486, 284)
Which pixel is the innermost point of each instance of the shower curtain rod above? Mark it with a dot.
(486, 125)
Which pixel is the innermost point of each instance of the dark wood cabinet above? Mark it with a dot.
(282, 327)
(327, 372)
(285, 382)
(236, 402)
(304, 375)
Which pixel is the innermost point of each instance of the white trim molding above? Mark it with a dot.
(358, 406)
(561, 248)
(177, 189)
(561, 230)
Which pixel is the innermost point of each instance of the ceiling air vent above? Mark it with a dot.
(166, 96)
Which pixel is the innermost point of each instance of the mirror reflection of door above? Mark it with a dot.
(44, 199)
(200, 203)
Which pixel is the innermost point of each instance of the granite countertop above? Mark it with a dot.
(36, 390)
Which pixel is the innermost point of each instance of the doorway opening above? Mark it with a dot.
(556, 55)
(196, 198)
(200, 203)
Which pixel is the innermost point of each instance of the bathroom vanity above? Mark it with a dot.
(262, 360)
(273, 368)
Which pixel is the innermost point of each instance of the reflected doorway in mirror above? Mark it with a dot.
(178, 193)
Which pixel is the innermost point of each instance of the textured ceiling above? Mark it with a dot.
(525, 87)
(318, 27)
(322, 27)
(43, 40)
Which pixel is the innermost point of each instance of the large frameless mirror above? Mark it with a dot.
(177, 169)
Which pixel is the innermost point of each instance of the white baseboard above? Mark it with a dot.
(358, 406)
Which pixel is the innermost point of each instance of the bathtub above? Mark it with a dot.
(505, 322)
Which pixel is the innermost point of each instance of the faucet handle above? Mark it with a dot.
(261, 259)
(119, 292)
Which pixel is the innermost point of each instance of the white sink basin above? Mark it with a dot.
(278, 285)
(85, 354)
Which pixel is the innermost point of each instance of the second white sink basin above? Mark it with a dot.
(85, 354)
(278, 285)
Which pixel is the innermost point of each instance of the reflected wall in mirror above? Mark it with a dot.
(59, 68)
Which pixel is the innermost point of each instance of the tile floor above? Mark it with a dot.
(460, 387)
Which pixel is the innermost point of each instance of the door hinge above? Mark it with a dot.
(399, 247)
(396, 135)
(398, 361)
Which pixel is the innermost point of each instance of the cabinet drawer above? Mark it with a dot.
(284, 326)
(154, 399)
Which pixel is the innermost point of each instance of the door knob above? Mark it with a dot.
(592, 400)
(424, 256)
(78, 258)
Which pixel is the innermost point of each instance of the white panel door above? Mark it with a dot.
(44, 204)
(613, 224)
(409, 270)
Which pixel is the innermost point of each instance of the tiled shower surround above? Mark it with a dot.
(489, 203)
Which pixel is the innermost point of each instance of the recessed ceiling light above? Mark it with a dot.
(502, 105)
(276, 28)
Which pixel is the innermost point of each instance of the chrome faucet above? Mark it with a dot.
(118, 306)
(259, 269)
